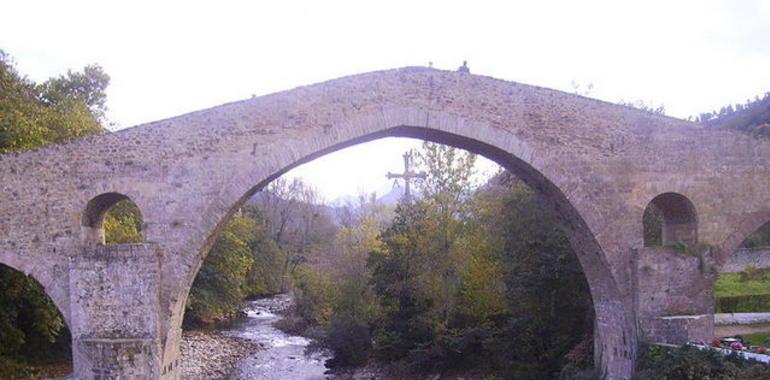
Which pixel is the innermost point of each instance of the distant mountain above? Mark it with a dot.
(392, 197)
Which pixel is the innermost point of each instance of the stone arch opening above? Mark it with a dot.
(615, 341)
(35, 334)
(668, 219)
(112, 218)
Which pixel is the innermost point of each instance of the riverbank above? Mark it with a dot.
(210, 355)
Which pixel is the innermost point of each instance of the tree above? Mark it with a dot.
(297, 222)
(752, 116)
(548, 297)
(446, 190)
(123, 224)
(398, 276)
(58, 110)
(220, 285)
(263, 278)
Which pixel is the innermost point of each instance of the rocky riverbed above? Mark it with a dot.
(251, 348)
(208, 355)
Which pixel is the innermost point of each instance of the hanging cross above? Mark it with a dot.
(408, 174)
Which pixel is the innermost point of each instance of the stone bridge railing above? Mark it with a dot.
(740, 259)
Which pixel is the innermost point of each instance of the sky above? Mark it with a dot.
(166, 58)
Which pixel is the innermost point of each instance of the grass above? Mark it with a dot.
(756, 339)
(730, 285)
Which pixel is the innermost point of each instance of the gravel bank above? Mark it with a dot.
(208, 355)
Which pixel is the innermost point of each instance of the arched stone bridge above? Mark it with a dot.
(599, 165)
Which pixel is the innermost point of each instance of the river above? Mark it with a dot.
(283, 355)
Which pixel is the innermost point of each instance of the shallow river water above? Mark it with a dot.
(282, 355)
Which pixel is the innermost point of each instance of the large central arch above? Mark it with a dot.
(615, 337)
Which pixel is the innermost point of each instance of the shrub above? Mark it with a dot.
(573, 372)
(754, 303)
(690, 363)
(752, 273)
(314, 296)
(349, 341)
(14, 370)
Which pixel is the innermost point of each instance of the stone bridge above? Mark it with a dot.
(599, 166)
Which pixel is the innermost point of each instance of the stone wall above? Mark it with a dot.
(742, 258)
(115, 309)
(671, 283)
(680, 329)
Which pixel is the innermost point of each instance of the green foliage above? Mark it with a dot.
(58, 110)
(217, 291)
(754, 303)
(349, 341)
(573, 372)
(31, 327)
(457, 280)
(742, 284)
(123, 224)
(747, 291)
(398, 275)
(752, 116)
(690, 363)
(263, 277)
(758, 339)
(28, 318)
(242, 263)
(16, 370)
(754, 274)
(313, 295)
(549, 298)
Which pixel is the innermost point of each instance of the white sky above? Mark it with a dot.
(171, 57)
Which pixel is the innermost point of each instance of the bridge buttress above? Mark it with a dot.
(115, 308)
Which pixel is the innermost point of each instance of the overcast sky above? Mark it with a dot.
(171, 57)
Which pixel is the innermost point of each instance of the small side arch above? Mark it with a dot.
(95, 213)
(670, 218)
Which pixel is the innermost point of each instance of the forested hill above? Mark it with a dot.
(753, 116)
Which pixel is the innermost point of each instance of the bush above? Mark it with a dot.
(313, 296)
(14, 370)
(690, 363)
(754, 303)
(573, 372)
(752, 273)
(349, 340)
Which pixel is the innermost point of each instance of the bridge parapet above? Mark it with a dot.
(115, 304)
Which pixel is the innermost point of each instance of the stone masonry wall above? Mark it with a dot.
(680, 329)
(675, 284)
(115, 309)
(742, 258)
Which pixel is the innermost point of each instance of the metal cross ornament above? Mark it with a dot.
(408, 174)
